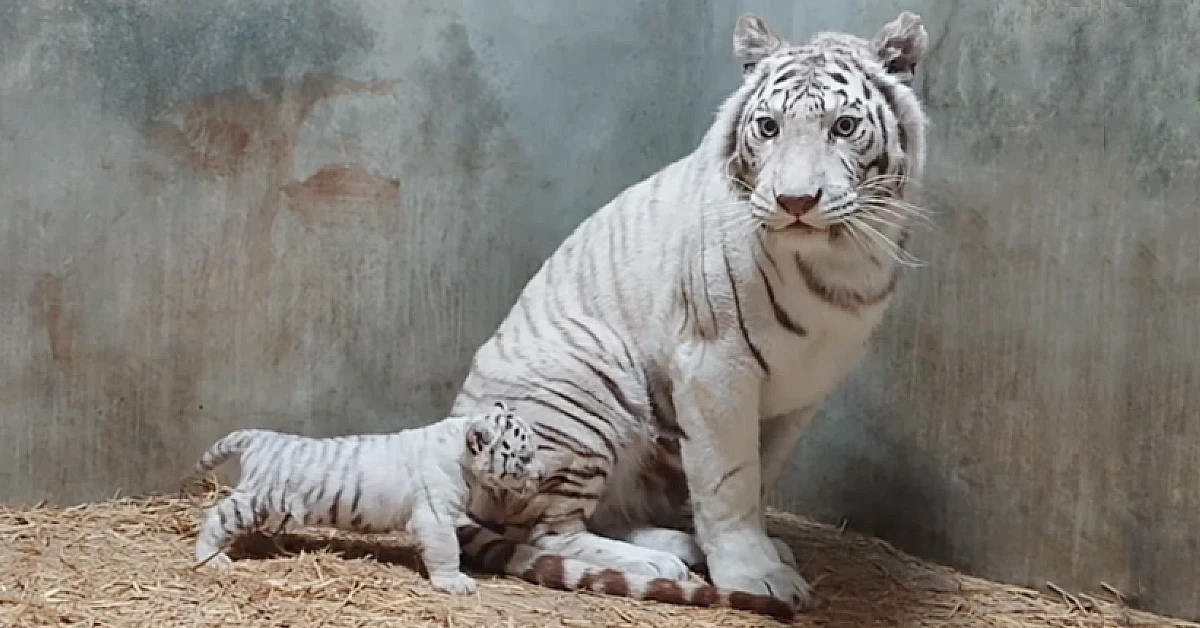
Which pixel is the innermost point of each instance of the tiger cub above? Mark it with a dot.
(419, 480)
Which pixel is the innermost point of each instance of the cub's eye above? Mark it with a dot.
(845, 126)
(768, 127)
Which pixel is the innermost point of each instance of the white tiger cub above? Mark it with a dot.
(670, 353)
(419, 479)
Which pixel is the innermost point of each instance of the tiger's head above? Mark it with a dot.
(823, 140)
(503, 451)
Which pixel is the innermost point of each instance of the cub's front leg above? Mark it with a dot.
(716, 395)
(434, 530)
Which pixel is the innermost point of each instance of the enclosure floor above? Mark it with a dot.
(128, 563)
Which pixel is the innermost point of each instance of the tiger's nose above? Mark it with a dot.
(798, 205)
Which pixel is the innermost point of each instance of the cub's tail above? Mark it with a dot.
(497, 554)
(231, 445)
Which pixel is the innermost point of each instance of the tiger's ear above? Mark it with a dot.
(753, 40)
(479, 435)
(901, 44)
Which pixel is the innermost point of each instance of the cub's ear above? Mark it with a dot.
(753, 40)
(502, 407)
(479, 435)
(901, 44)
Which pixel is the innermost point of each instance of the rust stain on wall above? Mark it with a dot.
(46, 301)
(250, 133)
(225, 133)
(339, 190)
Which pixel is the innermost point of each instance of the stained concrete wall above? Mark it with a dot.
(307, 215)
(304, 215)
(1031, 411)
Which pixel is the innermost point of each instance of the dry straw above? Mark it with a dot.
(128, 562)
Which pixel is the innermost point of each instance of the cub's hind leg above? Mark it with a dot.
(238, 514)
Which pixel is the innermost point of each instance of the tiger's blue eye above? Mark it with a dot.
(845, 126)
(768, 127)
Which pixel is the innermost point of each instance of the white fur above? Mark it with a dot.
(611, 297)
(418, 480)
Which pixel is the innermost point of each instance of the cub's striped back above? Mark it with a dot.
(420, 480)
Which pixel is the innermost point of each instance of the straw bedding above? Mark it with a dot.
(127, 562)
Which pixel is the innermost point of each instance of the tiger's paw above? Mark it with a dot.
(675, 542)
(457, 583)
(654, 564)
(785, 553)
(220, 560)
(762, 575)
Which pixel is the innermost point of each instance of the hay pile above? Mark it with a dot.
(128, 562)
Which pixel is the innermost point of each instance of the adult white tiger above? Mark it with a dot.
(692, 327)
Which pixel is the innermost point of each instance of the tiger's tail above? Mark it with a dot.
(496, 554)
(233, 444)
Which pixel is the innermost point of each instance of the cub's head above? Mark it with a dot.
(503, 451)
(823, 139)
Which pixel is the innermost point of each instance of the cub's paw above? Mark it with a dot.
(785, 553)
(220, 560)
(774, 579)
(457, 583)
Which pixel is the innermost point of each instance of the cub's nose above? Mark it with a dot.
(798, 205)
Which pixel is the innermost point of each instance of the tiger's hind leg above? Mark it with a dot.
(236, 515)
(684, 545)
(675, 542)
(567, 535)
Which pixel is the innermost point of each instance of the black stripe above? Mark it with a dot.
(556, 436)
(612, 450)
(781, 315)
(615, 391)
(687, 305)
(728, 474)
(784, 76)
(889, 97)
(568, 494)
(586, 473)
(712, 311)
(737, 304)
(732, 135)
(237, 514)
(333, 508)
(357, 492)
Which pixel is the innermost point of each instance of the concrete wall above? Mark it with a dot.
(299, 214)
(307, 215)
(1032, 410)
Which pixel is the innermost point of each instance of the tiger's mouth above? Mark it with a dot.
(803, 228)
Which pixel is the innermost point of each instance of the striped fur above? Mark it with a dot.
(497, 554)
(419, 480)
(673, 349)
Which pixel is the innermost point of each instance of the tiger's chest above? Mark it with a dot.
(804, 368)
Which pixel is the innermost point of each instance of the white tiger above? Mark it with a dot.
(418, 479)
(673, 349)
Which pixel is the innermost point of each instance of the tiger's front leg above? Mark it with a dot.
(716, 394)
